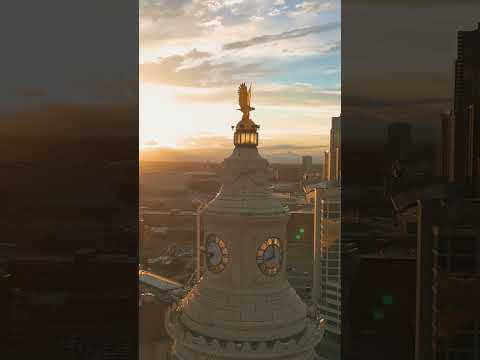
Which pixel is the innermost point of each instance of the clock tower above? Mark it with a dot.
(244, 307)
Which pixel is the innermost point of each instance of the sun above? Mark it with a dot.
(170, 118)
(158, 114)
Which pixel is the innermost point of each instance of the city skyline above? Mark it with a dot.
(190, 68)
(421, 86)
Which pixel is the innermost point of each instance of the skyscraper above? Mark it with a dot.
(326, 165)
(448, 280)
(326, 292)
(473, 149)
(467, 93)
(307, 162)
(327, 259)
(334, 151)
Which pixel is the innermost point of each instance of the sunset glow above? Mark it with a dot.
(188, 79)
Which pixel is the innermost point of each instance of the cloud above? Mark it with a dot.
(291, 34)
(157, 9)
(302, 84)
(154, 31)
(213, 5)
(195, 54)
(311, 49)
(217, 5)
(335, 46)
(164, 21)
(151, 142)
(232, 2)
(173, 70)
(295, 95)
(331, 92)
(256, 18)
(331, 71)
(310, 7)
(274, 12)
(215, 22)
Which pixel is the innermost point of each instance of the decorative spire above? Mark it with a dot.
(246, 130)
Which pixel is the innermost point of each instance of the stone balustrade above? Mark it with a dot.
(301, 343)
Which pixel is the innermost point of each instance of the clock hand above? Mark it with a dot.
(271, 257)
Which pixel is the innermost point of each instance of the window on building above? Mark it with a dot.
(387, 299)
(463, 263)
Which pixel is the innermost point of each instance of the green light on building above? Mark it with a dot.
(302, 230)
(297, 237)
(378, 314)
(387, 299)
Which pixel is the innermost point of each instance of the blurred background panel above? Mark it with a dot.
(409, 163)
(69, 189)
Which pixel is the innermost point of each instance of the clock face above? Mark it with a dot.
(216, 252)
(270, 256)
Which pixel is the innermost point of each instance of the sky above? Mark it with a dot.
(60, 77)
(47, 60)
(194, 54)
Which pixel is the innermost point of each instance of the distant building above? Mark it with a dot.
(292, 201)
(160, 228)
(156, 295)
(300, 226)
(326, 165)
(338, 171)
(399, 140)
(311, 177)
(335, 146)
(165, 189)
(287, 172)
(332, 156)
(326, 292)
(203, 181)
(307, 162)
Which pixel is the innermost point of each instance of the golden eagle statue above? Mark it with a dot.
(244, 98)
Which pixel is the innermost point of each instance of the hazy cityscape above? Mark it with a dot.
(172, 193)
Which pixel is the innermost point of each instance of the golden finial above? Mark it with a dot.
(246, 130)
(244, 99)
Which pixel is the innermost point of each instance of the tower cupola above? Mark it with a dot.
(246, 131)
